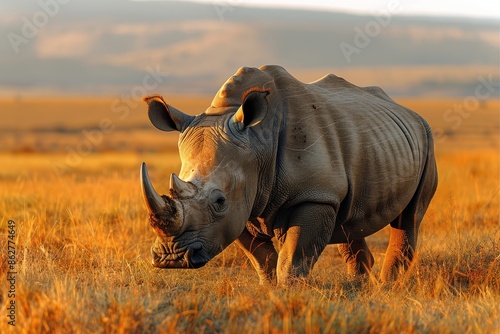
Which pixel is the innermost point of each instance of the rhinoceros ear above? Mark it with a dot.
(253, 109)
(165, 117)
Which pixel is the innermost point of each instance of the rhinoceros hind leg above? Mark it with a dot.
(357, 256)
(404, 229)
(399, 253)
(262, 255)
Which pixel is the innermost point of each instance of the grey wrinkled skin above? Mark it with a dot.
(308, 164)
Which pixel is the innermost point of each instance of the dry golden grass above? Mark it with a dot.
(82, 241)
(457, 128)
(61, 124)
(120, 124)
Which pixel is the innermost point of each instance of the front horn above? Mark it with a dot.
(154, 202)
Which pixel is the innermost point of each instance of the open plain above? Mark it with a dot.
(71, 186)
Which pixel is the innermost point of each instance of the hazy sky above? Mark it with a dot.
(476, 8)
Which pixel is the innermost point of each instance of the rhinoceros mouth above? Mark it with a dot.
(190, 257)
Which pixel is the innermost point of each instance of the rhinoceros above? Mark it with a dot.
(305, 165)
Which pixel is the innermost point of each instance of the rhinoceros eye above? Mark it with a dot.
(219, 202)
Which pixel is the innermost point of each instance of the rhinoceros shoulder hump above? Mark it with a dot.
(331, 81)
(234, 89)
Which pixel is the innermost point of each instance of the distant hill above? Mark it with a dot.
(110, 47)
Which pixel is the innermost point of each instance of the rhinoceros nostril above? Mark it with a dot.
(196, 256)
(196, 246)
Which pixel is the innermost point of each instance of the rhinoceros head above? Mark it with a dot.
(212, 198)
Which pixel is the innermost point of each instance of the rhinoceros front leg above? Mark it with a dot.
(357, 256)
(309, 229)
(262, 254)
